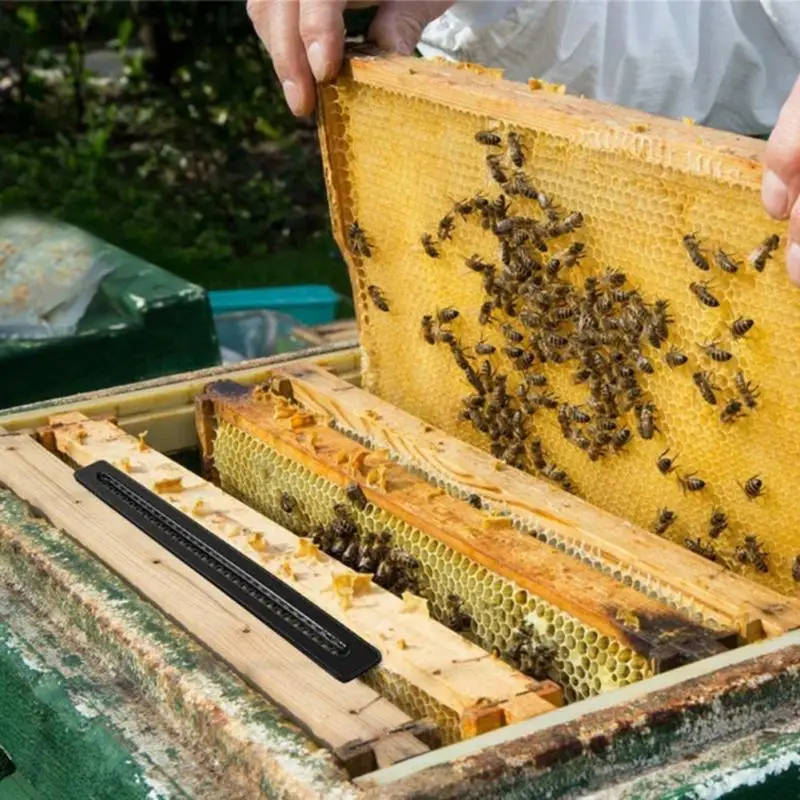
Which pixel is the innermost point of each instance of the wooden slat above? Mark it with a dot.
(337, 714)
(589, 596)
(444, 665)
(728, 598)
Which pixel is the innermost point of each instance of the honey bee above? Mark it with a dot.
(753, 487)
(740, 326)
(427, 244)
(569, 224)
(484, 348)
(488, 138)
(695, 253)
(360, 245)
(525, 361)
(485, 314)
(513, 351)
(674, 358)
(445, 229)
(664, 519)
(537, 455)
(475, 501)
(498, 174)
(717, 523)
(475, 263)
(520, 185)
(647, 424)
(288, 503)
(700, 548)
(644, 364)
(571, 255)
(621, 438)
(704, 382)
(464, 207)
(351, 553)
(731, 412)
(691, 483)
(356, 496)
(515, 150)
(454, 616)
(536, 379)
(725, 262)
(752, 552)
(759, 257)
(796, 569)
(714, 352)
(376, 295)
(447, 314)
(511, 334)
(665, 464)
(748, 391)
(613, 278)
(701, 291)
(428, 331)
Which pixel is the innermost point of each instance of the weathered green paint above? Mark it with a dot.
(245, 737)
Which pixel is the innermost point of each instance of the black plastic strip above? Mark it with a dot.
(335, 648)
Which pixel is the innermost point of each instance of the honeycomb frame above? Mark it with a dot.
(642, 183)
(256, 453)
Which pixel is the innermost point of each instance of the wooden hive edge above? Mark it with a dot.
(729, 599)
(595, 599)
(350, 719)
(456, 685)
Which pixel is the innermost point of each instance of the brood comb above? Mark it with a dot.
(593, 294)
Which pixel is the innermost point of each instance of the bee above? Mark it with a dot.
(445, 229)
(474, 400)
(475, 501)
(351, 553)
(475, 263)
(447, 314)
(536, 379)
(704, 382)
(796, 569)
(731, 412)
(288, 503)
(674, 358)
(555, 339)
(376, 295)
(576, 414)
(464, 207)
(360, 245)
(753, 487)
(762, 254)
(428, 331)
(571, 255)
(513, 351)
(356, 496)
(520, 185)
(699, 547)
(525, 361)
(695, 253)
(621, 438)
(613, 278)
(485, 314)
(646, 420)
(715, 353)
(740, 326)
(511, 334)
(484, 348)
(498, 174)
(454, 616)
(691, 483)
(537, 455)
(717, 523)
(643, 364)
(569, 224)
(748, 391)
(427, 244)
(515, 150)
(725, 262)
(701, 291)
(664, 519)
(665, 464)
(752, 552)
(488, 138)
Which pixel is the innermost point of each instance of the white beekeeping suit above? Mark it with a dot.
(728, 64)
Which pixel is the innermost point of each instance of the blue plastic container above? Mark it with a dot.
(313, 304)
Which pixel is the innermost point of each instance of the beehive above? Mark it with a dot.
(399, 142)
(598, 633)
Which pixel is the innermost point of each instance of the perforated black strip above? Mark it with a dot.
(327, 642)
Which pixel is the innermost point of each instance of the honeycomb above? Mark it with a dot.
(400, 150)
(585, 661)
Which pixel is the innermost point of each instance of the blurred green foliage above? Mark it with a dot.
(189, 158)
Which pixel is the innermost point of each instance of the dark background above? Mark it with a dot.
(160, 127)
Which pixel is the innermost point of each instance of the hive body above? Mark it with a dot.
(400, 148)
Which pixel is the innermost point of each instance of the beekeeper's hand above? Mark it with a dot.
(305, 38)
(780, 188)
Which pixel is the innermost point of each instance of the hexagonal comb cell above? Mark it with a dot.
(597, 284)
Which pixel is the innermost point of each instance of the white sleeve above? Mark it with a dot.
(725, 63)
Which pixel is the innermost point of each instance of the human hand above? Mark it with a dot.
(780, 187)
(305, 38)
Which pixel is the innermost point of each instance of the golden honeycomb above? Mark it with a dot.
(585, 661)
(400, 150)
